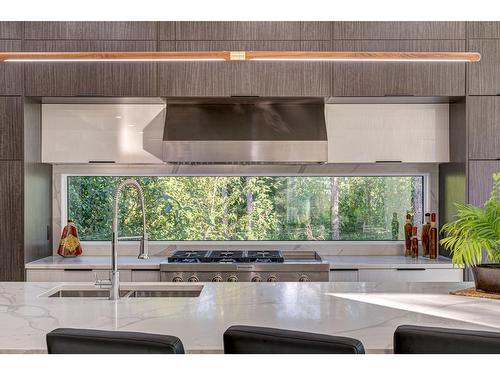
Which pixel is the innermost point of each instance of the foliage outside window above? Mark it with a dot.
(283, 208)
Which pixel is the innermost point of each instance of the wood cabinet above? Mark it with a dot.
(243, 78)
(398, 30)
(11, 30)
(90, 30)
(11, 221)
(346, 275)
(11, 74)
(11, 128)
(484, 76)
(388, 79)
(480, 180)
(483, 121)
(479, 30)
(90, 79)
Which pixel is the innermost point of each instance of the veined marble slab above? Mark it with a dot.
(369, 312)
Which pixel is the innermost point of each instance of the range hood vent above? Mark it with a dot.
(244, 130)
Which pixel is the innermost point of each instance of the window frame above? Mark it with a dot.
(132, 171)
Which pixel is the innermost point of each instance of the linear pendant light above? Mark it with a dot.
(171, 56)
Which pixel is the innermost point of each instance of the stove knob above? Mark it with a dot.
(256, 279)
(177, 279)
(217, 279)
(303, 278)
(193, 279)
(272, 279)
(232, 279)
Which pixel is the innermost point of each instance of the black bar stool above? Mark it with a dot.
(91, 341)
(409, 339)
(262, 340)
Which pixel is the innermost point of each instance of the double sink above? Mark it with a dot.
(137, 290)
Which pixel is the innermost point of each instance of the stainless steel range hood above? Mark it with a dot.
(244, 130)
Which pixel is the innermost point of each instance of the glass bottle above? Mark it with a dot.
(414, 243)
(425, 235)
(408, 230)
(433, 237)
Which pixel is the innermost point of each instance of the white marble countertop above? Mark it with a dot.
(385, 261)
(336, 262)
(369, 312)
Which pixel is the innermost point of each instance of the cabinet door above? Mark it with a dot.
(91, 30)
(367, 133)
(411, 275)
(484, 76)
(11, 221)
(340, 275)
(482, 29)
(94, 79)
(73, 275)
(480, 180)
(11, 128)
(398, 30)
(398, 79)
(145, 275)
(483, 122)
(11, 74)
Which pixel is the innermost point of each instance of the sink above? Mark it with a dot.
(143, 290)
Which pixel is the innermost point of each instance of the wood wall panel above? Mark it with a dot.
(484, 76)
(11, 128)
(483, 119)
(96, 30)
(398, 30)
(11, 74)
(479, 30)
(480, 180)
(11, 221)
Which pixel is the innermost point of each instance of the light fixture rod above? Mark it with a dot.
(172, 56)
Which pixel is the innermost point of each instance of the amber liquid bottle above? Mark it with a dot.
(408, 230)
(414, 243)
(433, 237)
(425, 235)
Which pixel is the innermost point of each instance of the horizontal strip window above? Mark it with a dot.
(249, 208)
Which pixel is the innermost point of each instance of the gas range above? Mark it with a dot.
(244, 266)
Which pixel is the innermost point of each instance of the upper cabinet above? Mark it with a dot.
(90, 79)
(392, 78)
(243, 78)
(368, 133)
(484, 76)
(90, 30)
(483, 123)
(398, 30)
(480, 180)
(479, 30)
(11, 74)
(83, 133)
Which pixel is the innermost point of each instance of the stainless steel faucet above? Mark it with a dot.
(114, 275)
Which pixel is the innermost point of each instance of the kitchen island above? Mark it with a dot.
(369, 312)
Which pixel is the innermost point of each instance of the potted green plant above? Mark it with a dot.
(475, 230)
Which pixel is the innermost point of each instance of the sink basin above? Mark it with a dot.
(126, 291)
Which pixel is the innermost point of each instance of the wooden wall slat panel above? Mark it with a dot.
(11, 221)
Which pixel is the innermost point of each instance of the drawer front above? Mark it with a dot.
(411, 275)
(70, 275)
(344, 275)
(146, 275)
